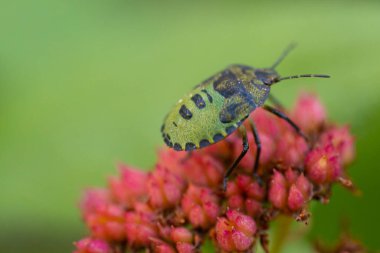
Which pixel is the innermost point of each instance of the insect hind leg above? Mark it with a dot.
(258, 149)
(237, 161)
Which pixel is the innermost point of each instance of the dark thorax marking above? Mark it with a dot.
(238, 102)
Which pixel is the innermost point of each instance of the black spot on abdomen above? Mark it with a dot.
(204, 143)
(190, 146)
(230, 129)
(177, 147)
(185, 113)
(208, 95)
(198, 101)
(218, 137)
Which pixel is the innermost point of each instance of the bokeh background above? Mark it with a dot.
(86, 84)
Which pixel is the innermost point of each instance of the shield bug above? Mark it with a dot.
(219, 105)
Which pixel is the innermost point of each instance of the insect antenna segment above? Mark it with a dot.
(284, 54)
(302, 76)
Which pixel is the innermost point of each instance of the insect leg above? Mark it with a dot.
(286, 118)
(242, 154)
(275, 102)
(258, 145)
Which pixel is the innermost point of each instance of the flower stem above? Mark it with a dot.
(281, 233)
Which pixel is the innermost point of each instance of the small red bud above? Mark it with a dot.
(295, 199)
(91, 245)
(201, 206)
(278, 190)
(140, 228)
(236, 232)
(343, 142)
(309, 113)
(164, 188)
(130, 187)
(323, 165)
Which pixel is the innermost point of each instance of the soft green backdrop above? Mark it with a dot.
(85, 84)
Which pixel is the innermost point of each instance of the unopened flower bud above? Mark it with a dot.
(181, 234)
(107, 223)
(200, 206)
(296, 199)
(94, 199)
(130, 187)
(245, 194)
(140, 228)
(235, 232)
(183, 247)
(343, 142)
(203, 170)
(91, 245)
(164, 188)
(309, 114)
(323, 165)
(278, 190)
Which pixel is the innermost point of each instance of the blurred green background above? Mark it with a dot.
(85, 84)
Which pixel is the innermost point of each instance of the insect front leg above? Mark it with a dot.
(275, 102)
(287, 119)
(243, 131)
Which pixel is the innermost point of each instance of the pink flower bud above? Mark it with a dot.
(183, 247)
(278, 190)
(304, 185)
(296, 199)
(291, 148)
(245, 194)
(130, 187)
(107, 223)
(163, 248)
(342, 141)
(323, 165)
(172, 160)
(140, 228)
(201, 206)
(164, 188)
(203, 170)
(236, 232)
(92, 200)
(181, 234)
(91, 245)
(309, 114)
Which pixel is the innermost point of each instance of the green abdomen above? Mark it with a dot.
(194, 122)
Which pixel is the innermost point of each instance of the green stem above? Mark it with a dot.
(281, 233)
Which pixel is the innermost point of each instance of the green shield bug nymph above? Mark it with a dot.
(219, 105)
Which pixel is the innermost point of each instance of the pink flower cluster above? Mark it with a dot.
(180, 204)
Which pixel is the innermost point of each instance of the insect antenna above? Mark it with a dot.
(284, 54)
(302, 76)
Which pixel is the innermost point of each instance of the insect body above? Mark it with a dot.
(218, 106)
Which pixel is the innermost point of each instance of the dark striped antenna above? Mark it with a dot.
(284, 54)
(302, 76)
